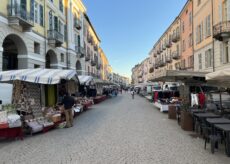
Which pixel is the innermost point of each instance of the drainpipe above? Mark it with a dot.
(213, 57)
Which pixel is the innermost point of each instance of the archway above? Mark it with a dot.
(13, 46)
(78, 68)
(51, 59)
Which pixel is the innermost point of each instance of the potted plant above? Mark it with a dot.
(186, 120)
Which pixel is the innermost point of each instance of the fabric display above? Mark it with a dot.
(194, 100)
(14, 121)
(38, 124)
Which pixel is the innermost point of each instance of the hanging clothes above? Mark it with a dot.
(194, 100)
(201, 97)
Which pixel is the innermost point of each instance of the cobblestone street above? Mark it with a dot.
(119, 130)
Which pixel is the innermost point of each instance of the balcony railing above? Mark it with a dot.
(175, 37)
(98, 66)
(168, 59)
(168, 44)
(95, 48)
(93, 63)
(87, 57)
(162, 63)
(55, 38)
(221, 30)
(80, 51)
(176, 55)
(19, 17)
(151, 69)
(77, 23)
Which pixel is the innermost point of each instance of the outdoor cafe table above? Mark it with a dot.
(226, 129)
(213, 121)
(200, 117)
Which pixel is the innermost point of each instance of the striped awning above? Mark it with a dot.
(39, 75)
(85, 79)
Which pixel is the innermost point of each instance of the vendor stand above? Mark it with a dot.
(30, 86)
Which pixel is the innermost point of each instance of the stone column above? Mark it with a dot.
(1, 58)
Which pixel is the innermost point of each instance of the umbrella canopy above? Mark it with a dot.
(39, 75)
(219, 78)
(85, 79)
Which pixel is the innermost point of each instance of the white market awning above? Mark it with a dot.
(85, 79)
(219, 78)
(39, 75)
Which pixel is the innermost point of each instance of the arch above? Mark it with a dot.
(51, 59)
(13, 46)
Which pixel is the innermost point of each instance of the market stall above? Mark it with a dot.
(36, 93)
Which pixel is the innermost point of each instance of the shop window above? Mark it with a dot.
(62, 57)
(36, 48)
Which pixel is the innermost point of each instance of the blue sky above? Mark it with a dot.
(129, 28)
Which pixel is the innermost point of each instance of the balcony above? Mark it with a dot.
(98, 66)
(77, 24)
(168, 44)
(162, 63)
(80, 51)
(151, 69)
(221, 30)
(93, 63)
(87, 57)
(176, 55)
(89, 39)
(156, 65)
(175, 37)
(17, 17)
(168, 59)
(55, 38)
(95, 48)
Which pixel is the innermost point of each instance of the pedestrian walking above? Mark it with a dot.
(68, 103)
(132, 93)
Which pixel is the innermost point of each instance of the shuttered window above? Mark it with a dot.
(41, 15)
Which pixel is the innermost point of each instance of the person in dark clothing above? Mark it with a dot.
(68, 103)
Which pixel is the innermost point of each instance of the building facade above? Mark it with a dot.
(48, 34)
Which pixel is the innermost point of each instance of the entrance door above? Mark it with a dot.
(51, 95)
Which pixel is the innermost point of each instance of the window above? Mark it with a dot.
(199, 33)
(198, 2)
(183, 64)
(61, 5)
(50, 20)
(32, 9)
(208, 26)
(184, 46)
(36, 48)
(36, 12)
(208, 58)
(190, 61)
(41, 15)
(62, 57)
(190, 18)
(200, 61)
(183, 26)
(190, 41)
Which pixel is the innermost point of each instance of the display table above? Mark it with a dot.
(11, 133)
(86, 105)
(99, 99)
